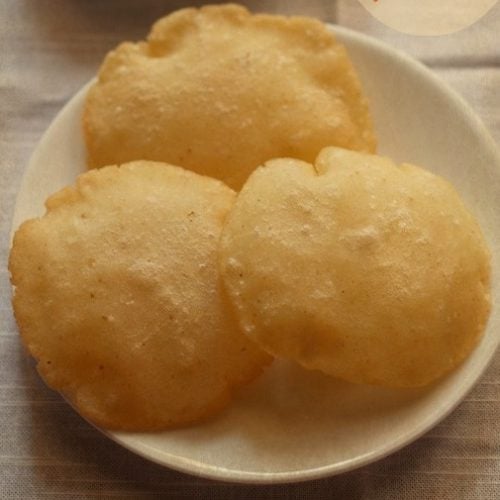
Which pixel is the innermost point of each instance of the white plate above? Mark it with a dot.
(292, 425)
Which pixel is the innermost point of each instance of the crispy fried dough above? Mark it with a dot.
(118, 297)
(219, 91)
(368, 271)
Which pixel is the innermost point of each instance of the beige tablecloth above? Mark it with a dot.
(48, 49)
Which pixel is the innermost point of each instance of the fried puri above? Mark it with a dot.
(219, 91)
(118, 297)
(366, 270)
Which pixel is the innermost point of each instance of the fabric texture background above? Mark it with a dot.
(48, 50)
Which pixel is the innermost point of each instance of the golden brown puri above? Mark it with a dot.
(219, 91)
(118, 297)
(365, 270)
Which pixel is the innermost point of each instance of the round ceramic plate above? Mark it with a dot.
(293, 425)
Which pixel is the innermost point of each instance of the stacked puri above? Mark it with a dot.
(119, 299)
(145, 317)
(220, 91)
(365, 270)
